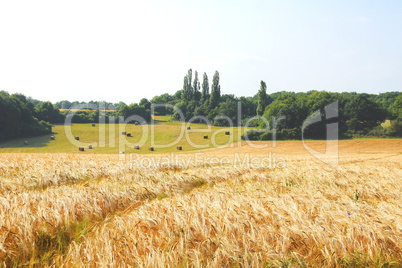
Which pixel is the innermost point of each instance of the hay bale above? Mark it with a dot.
(77, 138)
(179, 148)
(89, 146)
(227, 132)
(151, 148)
(188, 128)
(136, 123)
(81, 149)
(122, 152)
(93, 125)
(52, 138)
(124, 133)
(25, 142)
(137, 147)
(129, 135)
(205, 137)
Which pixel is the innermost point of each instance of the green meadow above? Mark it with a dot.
(108, 138)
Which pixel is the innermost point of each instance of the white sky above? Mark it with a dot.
(127, 50)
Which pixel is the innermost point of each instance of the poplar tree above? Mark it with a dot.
(262, 99)
(196, 88)
(215, 91)
(187, 87)
(205, 88)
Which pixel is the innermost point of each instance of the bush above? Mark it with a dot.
(252, 135)
(380, 132)
(396, 128)
(266, 136)
(283, 134)
(289, 134)
(253, 123)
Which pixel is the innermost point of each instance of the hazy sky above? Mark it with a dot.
(127, 50)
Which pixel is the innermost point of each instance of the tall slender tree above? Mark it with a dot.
(185, 96)
(196, 88)
(262, 99)
(187, 87)
(215, 91)
(205, 88)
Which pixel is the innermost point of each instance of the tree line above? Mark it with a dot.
(278, 113)
(357, 115)
(282, 113)
(19, 118)
(26, 117)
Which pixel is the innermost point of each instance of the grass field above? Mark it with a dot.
(201, 210)
(107, 138)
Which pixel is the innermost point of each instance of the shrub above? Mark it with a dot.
(380, 132)
(289, 134)
(396, 128)
(266, 136)
(252, 135)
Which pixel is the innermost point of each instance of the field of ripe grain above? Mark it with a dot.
(201, 210)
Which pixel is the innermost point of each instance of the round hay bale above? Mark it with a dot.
(137, 147)
(25, 142)
(205, 137)
(129, 135)
(136, 123)
(89, 146)
(124, 133)
(81, 149)
(188, 128)
(77, 138)
(93, 125)
(179, 148)
(122, 152)
(52, 138)
(151, 148)
(227, 132)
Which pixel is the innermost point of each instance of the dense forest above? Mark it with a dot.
(18, 117)
(279, 113)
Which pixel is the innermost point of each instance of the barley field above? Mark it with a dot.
(227, 207)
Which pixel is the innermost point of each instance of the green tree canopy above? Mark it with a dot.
(205, 88)
(396, 108)
(145, 103)
(362, 114)
(127, 111)
(263, 98)
(47, 112)
(215, 91)
(17, 118)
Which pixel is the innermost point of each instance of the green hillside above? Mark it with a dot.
(108, 138)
